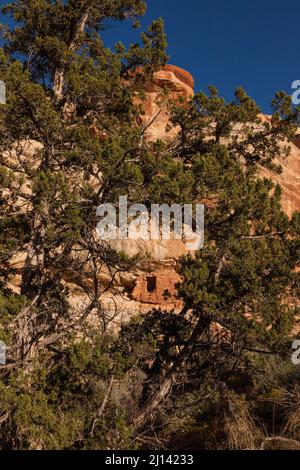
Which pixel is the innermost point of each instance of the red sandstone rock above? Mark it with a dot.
(289, 180)
(158, 288)
(182, 75)
(157, 276)
(297, 141)
(178, 83)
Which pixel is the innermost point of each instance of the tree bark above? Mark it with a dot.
(59, 74)
(165, 386)
(35, 261)
(58, 85)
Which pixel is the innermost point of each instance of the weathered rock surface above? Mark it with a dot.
(158, 273)
(153, 283)
(176, 83)
(181, 84)
(289, 180)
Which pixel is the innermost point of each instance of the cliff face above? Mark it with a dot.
(177, 83)
(289, 180)
(159, 274)
(152, 283)
(181, 84)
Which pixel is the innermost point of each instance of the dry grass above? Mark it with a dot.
(291, 401)
(241, 430)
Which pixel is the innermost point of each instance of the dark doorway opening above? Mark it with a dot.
(151, 284)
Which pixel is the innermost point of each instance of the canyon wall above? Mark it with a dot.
(181, 83)
(152, 284)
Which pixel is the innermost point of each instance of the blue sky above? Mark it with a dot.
(253, 43)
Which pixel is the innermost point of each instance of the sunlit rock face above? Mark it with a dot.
(297, 140)
(152, 284)
(173, 83)
(169, 83)
(289, 180)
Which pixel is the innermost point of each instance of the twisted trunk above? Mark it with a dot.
(59, 74)
(169, 379)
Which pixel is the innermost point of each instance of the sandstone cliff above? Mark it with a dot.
(181, 83)
(152, 283)
(178, 83)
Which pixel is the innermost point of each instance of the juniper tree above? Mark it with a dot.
(69, 93)
(74, 97)
(240, 291)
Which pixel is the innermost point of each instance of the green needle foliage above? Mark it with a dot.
(67, 384)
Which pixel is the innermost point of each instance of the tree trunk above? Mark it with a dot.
(59, 74)
(58, 85)
(165, 386)
(35, 262)
(159, 397)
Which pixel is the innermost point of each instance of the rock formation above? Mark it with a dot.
(289, 180)
(176, 83)
(152, 284)
(181, 84)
